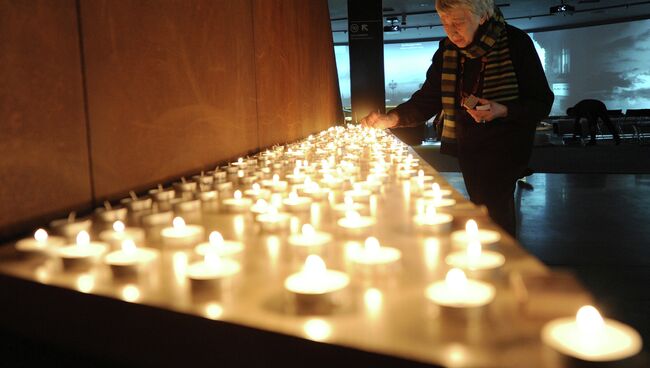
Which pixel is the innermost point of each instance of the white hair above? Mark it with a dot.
(478, 7)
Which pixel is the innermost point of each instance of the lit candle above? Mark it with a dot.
(457, 291)
(314, 191)
(348, 204)
(475, 258)
(40, 244)
(297, 177)
(358, 194)
(129, 260)
(421, 180)
(256, 192)
(82, 254)
(472, 233)
(158, 218)
(237, 204)
(260, 207)
(211, 271)
(120, 233)
(438, 202)
(219, 246)
(316, 279)
(372, 253)
(309, 237)
(354, 224)
(181, 234)
(589, 337)
(433, 221)
(436, 192)
(296, 204)
(273, 220)
(276, 185)
(245, 179)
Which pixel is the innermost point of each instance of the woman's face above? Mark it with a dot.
(460, 25)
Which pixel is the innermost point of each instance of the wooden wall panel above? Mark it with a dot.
(43, 151)
(297, 84)
(171, 88)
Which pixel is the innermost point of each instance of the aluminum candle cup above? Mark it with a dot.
(296, 204)
(237, 204)
(185, 186)
(475, 259)
(432, 221)
(354, 224)
(158, 218)
(216, 244)
(212, 272)
(119, 233)
(462, 238)
(111, 215)
(315, 286)
(373, 257)
(223, 186)
(203, 179)
(81, 255)
(256, 192)
(276, 185)
(435, 192)
(207, 196)
(181, 234)
(41, 244)
(129, 260)
(162, 195)
(70, 228)
(341, 209)
(219, 176)
(309, 240)
(188, 206)
(456, 291)
(358, 194)
(589, 337)
(273, 220)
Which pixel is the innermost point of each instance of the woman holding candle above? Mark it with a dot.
(487, 78)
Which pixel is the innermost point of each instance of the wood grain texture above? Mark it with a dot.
(171, 88)
(43, 149)
(297, 84)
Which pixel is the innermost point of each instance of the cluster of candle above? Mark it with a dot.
(343, 170)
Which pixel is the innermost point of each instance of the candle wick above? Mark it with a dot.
(107, 205)
(133, 195)
(160, 187)
(72, 216)
(183, 179)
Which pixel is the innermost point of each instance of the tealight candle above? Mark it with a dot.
(435, 192)
(237, 204)
(472, 233)
(358, 194)
(110, 214)
(439, 203)
(276, 184)
(203, 179)
(185, 186)
(314, 191)
(192, 205)
(256, 192)
(219, 176)
(589, 337)
(136, 204)
(207, 196)
(433, 221)
(158, 218)
(82, 254)
(297, 177)
(332, 182)
(372, 253)
(348, 205)
(181, 234)
(129, 259)
(246, 179)
(421, 179)
(309, 237)
(475, 258)
(211, 271)
(456, 291)
(296, 204)
(316, 279)
(70, 226)
(223, 186)
(260, 207)
(355, 224)
(219, 246)
(120, 233)
(40, 244)
(273, 220)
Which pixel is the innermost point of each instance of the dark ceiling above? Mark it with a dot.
(422, 23)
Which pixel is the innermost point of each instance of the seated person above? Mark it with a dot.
(592, 110)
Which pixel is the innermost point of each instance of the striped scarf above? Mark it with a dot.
(499, 79)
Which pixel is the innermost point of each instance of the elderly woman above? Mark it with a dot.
(487, 79)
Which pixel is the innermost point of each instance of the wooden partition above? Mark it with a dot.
(43, 144)
(170, 87)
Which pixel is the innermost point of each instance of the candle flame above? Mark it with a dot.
(118, 226)
(240, 160)
(273, 210)
(296, 170)
(212, 259)
(276, 178)
(420, 173)
(430, 212)
(256, 187)
(308, 182)
(372, 245)
(352, 215)
(240, 173)
(456, 279)
(293, 196)
(308, 230)
(471, 228)
(128, 246)
(237, 194)
(215, 239)
(83, 238)
(261, 203)
(589, 321)
(435, 188)
(40, 235)
(314, 268)
(178, 222)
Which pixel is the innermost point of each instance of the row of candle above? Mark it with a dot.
(340, 158)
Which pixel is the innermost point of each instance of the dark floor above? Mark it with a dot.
(596, 226)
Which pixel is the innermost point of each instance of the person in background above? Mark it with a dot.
(487, 78)
(592, 110)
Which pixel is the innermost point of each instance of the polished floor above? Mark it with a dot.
(596, 226)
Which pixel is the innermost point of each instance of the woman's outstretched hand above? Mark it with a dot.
(380, 121)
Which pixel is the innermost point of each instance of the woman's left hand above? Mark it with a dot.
(495, 111)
